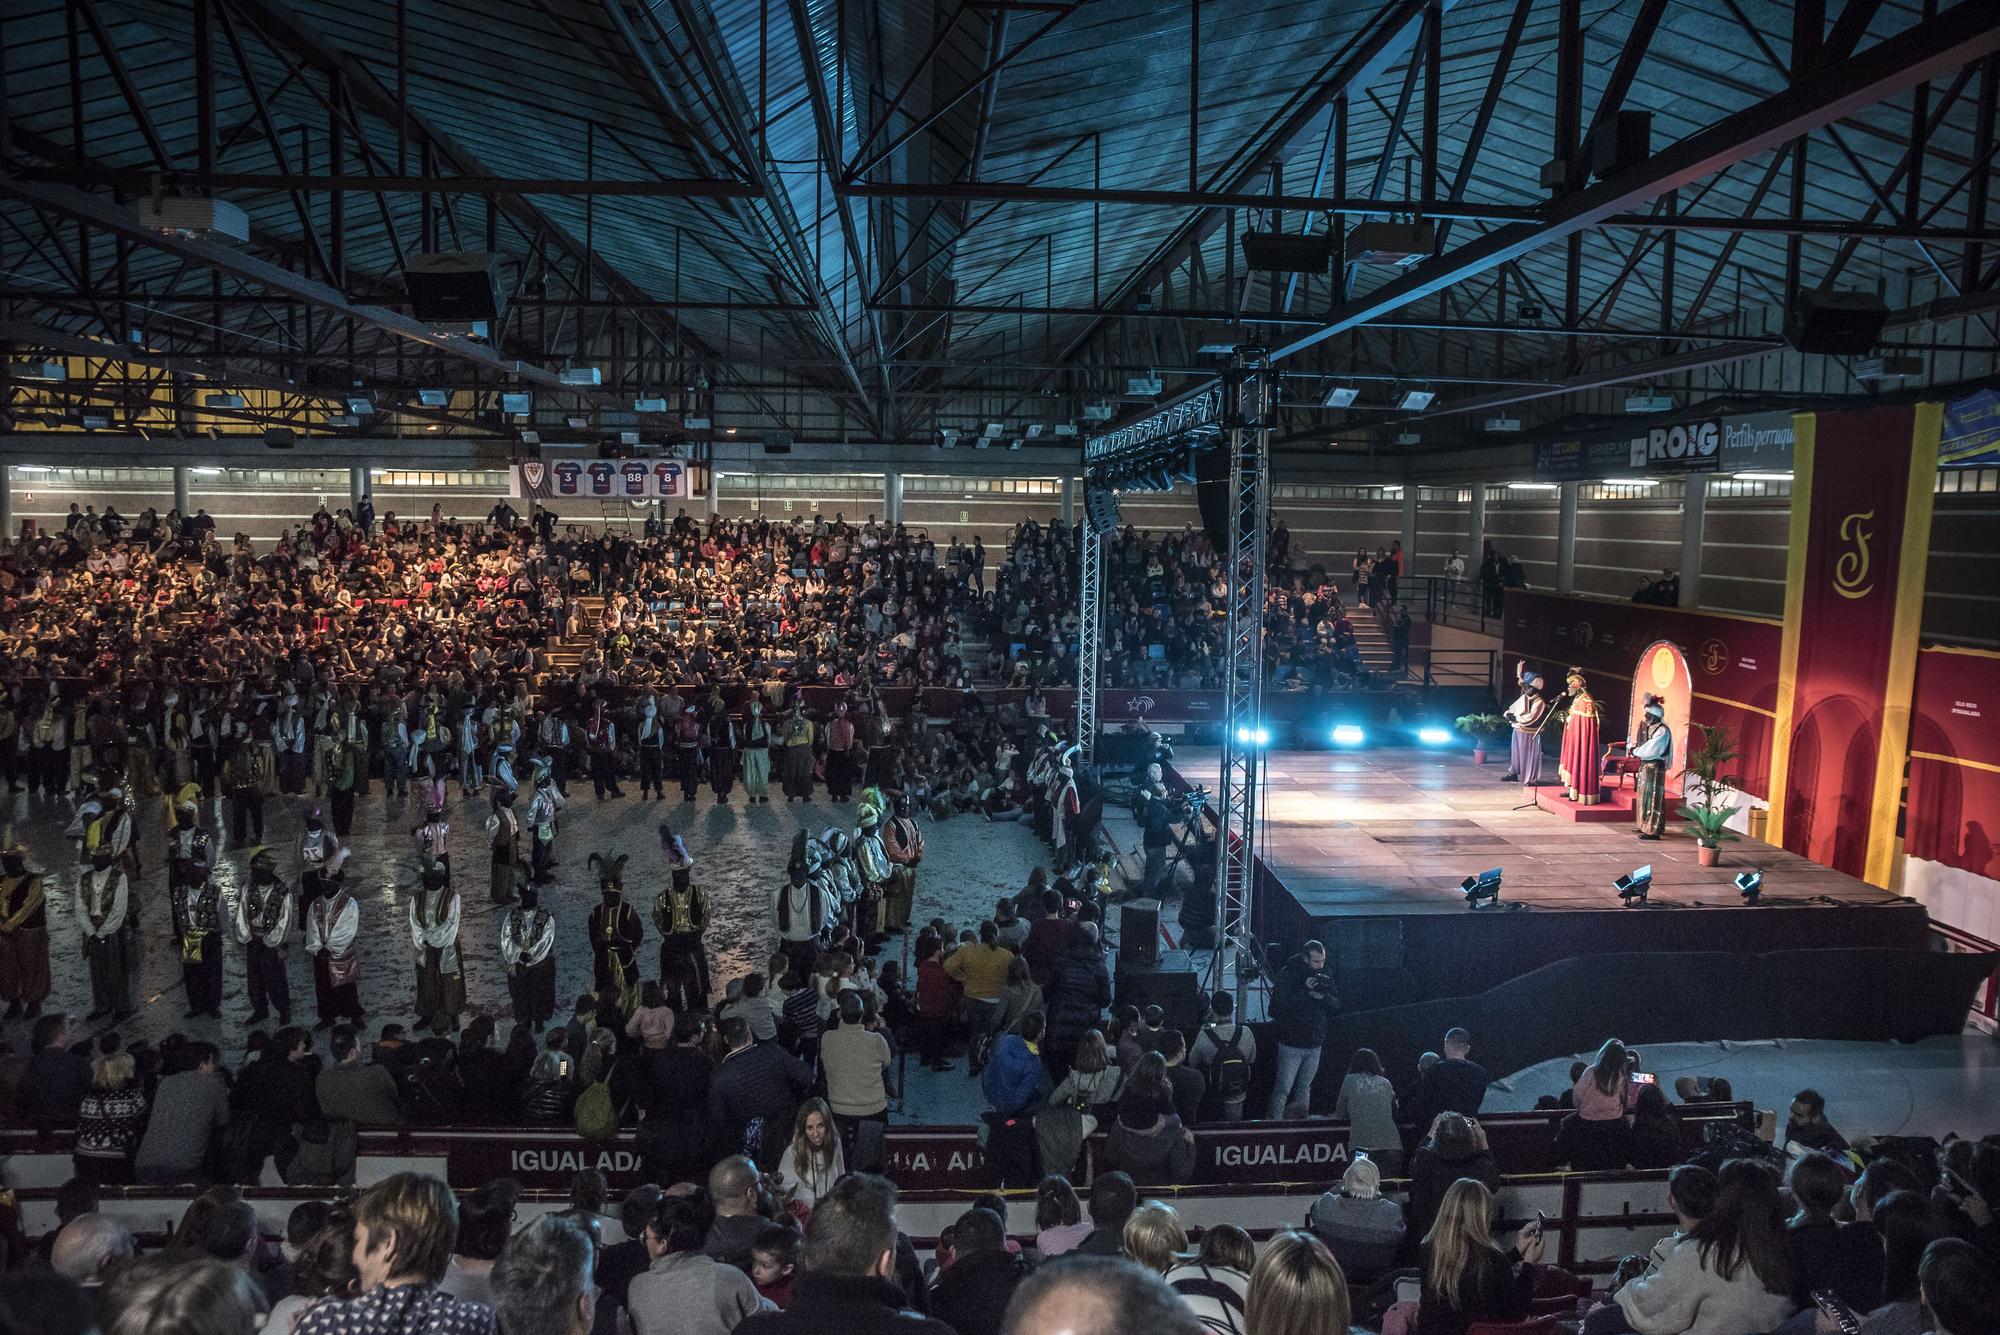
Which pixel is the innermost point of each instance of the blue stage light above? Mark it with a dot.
(1751, 885)
(1259, 736)
(1485, 886)
(1348, 734)
(1434, 736)
(1633, 885)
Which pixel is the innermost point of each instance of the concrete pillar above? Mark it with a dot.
(1566, 540)
(711, 503)
(1694, 515)
(892, 497)
(359, 487)
(1409, 534)
(181, 491)
(6, 503)
(1475, 529)
(1068, 501)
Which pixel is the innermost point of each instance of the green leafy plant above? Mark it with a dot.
(1480, 727)
(1708, 812)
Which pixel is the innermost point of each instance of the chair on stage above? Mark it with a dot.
(1619, 766)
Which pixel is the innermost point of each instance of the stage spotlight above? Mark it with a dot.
(1483, 887)
(1258, 736)
(1751, 885)
(1434, 736)
(1634, 885)
(1348, 734)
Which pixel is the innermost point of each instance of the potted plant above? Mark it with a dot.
(1707, 811)
(1481, 728)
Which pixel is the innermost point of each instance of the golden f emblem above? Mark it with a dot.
(1850, 571)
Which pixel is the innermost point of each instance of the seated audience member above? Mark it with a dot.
(91, 1248)
(813, 1161)
(1728, 1273)
(1297, 1289)
(1097, 1295)
(189, 1107)
(1073, 1109)
(1960, 1288)
(1215, 1281)
(846, 1279)
(110, 1121)
(1455, 1148)
(404, 1229)
(1361, 1227)
(1466, 1277)
(1154, 1236)
(618, 1264)
(1822, 1253)
(1909, 1223)
(168, 1295)
(1807, 1125)
(1656, 1134)
(485, 1219)
(971, 1297)
(321, 1271)
(684, 1291)
(1113, 1197)
(735, 1190)
(541, 1283)
(47, 1304)
(774, 1257)
(1059, 1222)
(1367, 1103)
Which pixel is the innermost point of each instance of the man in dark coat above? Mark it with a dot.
(971, 1297)
(847, 1267)
(1078, 990)
(755, 1091)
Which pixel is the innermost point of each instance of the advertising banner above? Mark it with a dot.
(1952, 813)
(1854, 586)
(1757, 442)
(603, 480)
(1971, 432)
(1666, 447)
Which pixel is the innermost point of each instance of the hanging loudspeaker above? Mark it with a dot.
(1100, 506)
(1211, 493)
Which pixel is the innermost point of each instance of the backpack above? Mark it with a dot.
(596, 1116)
(1228, 1074)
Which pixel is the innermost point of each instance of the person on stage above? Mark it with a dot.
(527, 948)
(652, 749)
(756, 755)
(724, 747)
(1527, 714)
(903, 842)
(333, 933)
(840, 754)
(103, 911)
(189, 848)
(615, 933)
(434, 837)
(197, 918)
(24, 934)
(261, 921)
(797, 765)
(542, 809)
(600, 741)
(503, 835)
(315, 846)
(680, 912)
(1578, 766)
(871, 864)
(434, 918)
(687, 751)
(1653, 748)
(801, 908)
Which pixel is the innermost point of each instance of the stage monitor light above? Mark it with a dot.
(1257, 736)
(1634, 884)
(1483, 888)
(1434, 736)
(1348, 734)
(1751, 885)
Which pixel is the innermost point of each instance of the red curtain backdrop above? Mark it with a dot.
(1953, 811)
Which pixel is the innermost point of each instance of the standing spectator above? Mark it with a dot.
(1807, 1125)
(755, 1092)
(189, 1107)
(405, 1227)
(1016, 1083)
(1301, 1006)
(1189, 1085)
(1361, 1227)
(541, 1283)
(856, 1061)
(1076, 992)
(1225, 1052)
(1297, 1289)
(1071, 1115)
(273, 1095)
(971, 1297)
(56, 1079)
(1466, 1278)
(937, 996)
(1367, 1103)
(1154, 1236)
(1059, 1222)
(1456, 1084)
(621, 1262)
(684, 1291)
(1113, 1197)
(673, 1136)
(847, 1268)
(980, 967)
(110, 1121)
(1455, 1148)
(1215, 1281)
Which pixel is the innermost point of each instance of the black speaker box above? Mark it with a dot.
(1100, 506)
(1284, 252)
(454, 286)
(1625, 140)
(1838, 324)
(1139, 931)
(1211, 493)
(1172, 984)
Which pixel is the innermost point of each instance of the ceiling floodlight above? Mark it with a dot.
(1416, 400)
(432, 398)
(1340, 396)
(583, 377)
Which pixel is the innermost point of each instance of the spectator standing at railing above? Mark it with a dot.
(1367, 1103)
(1454, 1084)
(1456, 1148)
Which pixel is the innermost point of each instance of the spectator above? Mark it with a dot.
(755, 1092)
(757, 1008)
(1154, 1236)
(541, 1283)
(1059, 1223)
(1466, 1278)
(46, 1304)
(1728, 1273)
(674, 1135)
(1808, 1126)
(488, 1075)
(1297, 1289)
(189, 1107)
(272, 1096)
(1361, 1227)
(733, 1188)
(813, 1161)
(1656, 1134)
(322, 1271)
(1077, 990)
(353, 1090)
(177, 1296)
(1302, 1005)
(1015, 1081)
(485, 1220)
(1189, 1085)
(1148, 1140)
(404, 1229)
(1367, 1103)
(56, 1079)
(684, 1291)
(1225, 1052)
(110, 1121)
(1455, 1148)
(1908, 1223)
(90, 1250)
(1112, 1199)
(980, 967)
(652, 1023)
(1071, 1115)
(1959, 1288)
(1215, 1281)
(1821, 1253)
(856, 1060)
(1022, 996)
(1097, 1295)
(774, 1258)
(1604, 1092)
(221, 1225)
(1455, 1084)
(972, 1296)
(1137, 1037)
(1691, 1193)
(618, 1263)
(847, 1268)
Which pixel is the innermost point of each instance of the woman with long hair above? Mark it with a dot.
(1729, 1273)
(1367, 1103)
(1605, 1091)
(1059, 1221)
(813, 1162)
(323, 1271)
(1296, 1288)
(1076, 1106)
(1466, 1277)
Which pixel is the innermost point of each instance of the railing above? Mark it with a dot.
(1985, 1011)
(1458, 602)
(1463, 667)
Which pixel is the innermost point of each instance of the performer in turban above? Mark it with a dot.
(1578, 765)
(801, 907)
(1653, 748)
(527, 947)
(757, 755)
(103, 911)
(261, 920)
(840, 754)
(24, 934)
(680, 911)
(797, 765)
(503, 834)
(434, 918)
(333, 932)
(197, 917)
(904, 844)
(1528, 713)
(615, 933)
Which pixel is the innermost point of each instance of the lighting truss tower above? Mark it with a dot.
(1249, 402)
(1091, 560)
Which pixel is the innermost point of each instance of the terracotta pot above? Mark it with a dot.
(1479, 755)
(1709, 854)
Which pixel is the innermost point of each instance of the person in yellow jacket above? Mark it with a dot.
(980, 967)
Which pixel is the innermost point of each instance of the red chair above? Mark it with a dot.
(1541, 1325)
(1619, 766)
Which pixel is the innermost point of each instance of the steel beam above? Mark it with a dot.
(1023, 192)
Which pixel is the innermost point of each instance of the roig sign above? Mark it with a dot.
(1691, 447)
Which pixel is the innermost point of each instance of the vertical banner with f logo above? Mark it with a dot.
(1854, 601)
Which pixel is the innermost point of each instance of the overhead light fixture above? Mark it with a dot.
(1533, 486)
(1503, 424)
(1033, 431)
(222, 399)
(1216, 349)
(1888, 367)
(96, 421)
(1763, 477)
(194, 216)
(649, 405)
(582, 377)
(37, 370)
(517, 405)
(948, 437)
(1065, 431)
(432, 398)
(1416, 400)
(1409, 437)
(1097, 412)
(729, 431)
(1648, 402)
(32, 468)
(696, 423)
(1631, 482)
(360, 405)
(1482, 888)
(1014, 444)
(993, 431)
(1633, 885)
(1528, 312)
(1750, 884)
(1348, 734)
(1340, 396)
(531, 437)
(576, 421)
(1143, 386)
(340, 420)
(628, 438)
(206, 472)
(432, 426)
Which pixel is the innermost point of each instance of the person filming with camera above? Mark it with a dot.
(1302, 1005)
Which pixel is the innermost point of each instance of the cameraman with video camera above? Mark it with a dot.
(1302, 1004)
(1157, 813)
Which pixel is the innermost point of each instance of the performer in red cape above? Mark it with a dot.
(1578, 765)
